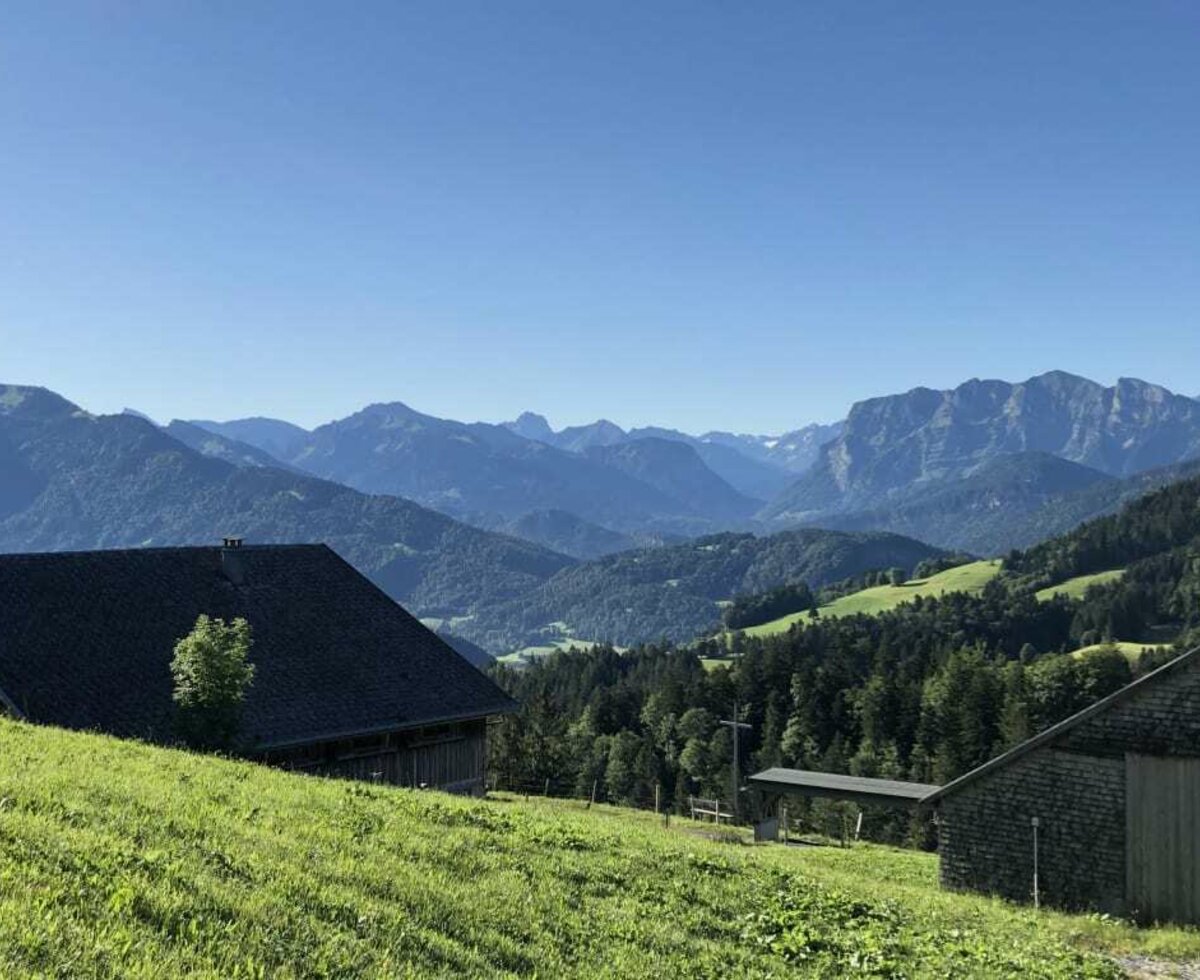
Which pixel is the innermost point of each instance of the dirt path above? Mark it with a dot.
(1145, 968)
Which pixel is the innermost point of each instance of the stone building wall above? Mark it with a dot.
(1075, 785)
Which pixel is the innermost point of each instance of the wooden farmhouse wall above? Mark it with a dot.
(1078, 786)
(449, 757)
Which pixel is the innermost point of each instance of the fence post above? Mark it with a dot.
(657, 788)
(593, 797)
(1036, 896)
(547, 790)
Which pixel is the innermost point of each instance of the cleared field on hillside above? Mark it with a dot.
(1131, 651)
(965, 578)
(559, 639)
(122, 860)
(526, 654)
(1074, 588)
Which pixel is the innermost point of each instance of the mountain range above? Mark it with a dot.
(983, 467)
(510, 532)
(894, 445)
(614, 488)
(71, 480)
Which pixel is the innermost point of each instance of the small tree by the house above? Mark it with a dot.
(212, 673)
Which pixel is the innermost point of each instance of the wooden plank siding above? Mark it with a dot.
(449, 757)
(1162, 853)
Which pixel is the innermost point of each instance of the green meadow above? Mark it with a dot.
(1076, 588)
(971, 578)
(123, 860)
(1131, 651)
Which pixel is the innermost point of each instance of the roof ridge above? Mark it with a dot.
(1059, 728)
(158, 549)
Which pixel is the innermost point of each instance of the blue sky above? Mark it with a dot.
(706, 215)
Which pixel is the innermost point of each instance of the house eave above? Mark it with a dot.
(11, 706)
(405, 726)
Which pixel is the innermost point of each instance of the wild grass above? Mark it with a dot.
(122, 860)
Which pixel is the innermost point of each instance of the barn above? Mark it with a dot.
(347, 683)
(1101, 811)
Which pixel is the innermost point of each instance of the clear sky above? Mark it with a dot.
(698, 214)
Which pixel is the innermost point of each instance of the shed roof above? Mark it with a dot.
(86, 641)
(1055, 731)
(860, 789)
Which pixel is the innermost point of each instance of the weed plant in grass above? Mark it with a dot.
(123, 860)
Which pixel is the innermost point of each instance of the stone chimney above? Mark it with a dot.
(232, 566)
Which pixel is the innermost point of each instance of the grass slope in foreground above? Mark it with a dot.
(121, 860)
(971, 577)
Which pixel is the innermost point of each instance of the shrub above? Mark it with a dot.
(212, 674)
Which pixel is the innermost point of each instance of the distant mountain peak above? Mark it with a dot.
(530, 425)
(578, 438)
(893, 445)
(34, 401)
(274, 437)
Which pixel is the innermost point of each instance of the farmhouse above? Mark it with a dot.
(1102, 810)
(347, 683)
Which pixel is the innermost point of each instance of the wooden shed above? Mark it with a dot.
(1101, 811)
(347, 683)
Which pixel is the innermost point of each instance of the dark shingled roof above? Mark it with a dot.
(86, 641)
(861, 789)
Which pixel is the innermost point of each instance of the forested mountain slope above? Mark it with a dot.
(674, 591)
(273, 436)
(564, 532)
(1010, 502)
(991, 510)
(223, 447)
(677, 470)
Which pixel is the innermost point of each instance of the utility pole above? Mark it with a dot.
(737, 726)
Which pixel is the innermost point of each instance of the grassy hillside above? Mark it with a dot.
(121, 860)
(1131, 651)
(555, 643)
(970, 578)
(1076, 588)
